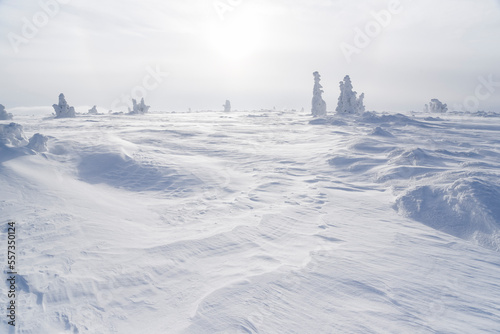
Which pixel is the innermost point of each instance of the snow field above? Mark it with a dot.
(256, 222)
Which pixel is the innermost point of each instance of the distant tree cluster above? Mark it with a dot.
(348, 102)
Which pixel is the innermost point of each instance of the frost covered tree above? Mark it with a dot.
(4, 115)
(436, 106)
(12, 135)
(348, 102)
(93, 110)
(227, 106)
(63, 110)
(38, 143)
(138, 108)
(318, 104)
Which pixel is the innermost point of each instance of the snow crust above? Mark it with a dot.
(255, 222)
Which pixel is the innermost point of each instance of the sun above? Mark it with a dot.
(237, 38)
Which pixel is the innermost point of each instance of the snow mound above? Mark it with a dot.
(38, 143)
(394, 119)
(4, 115)
(468, 209)
(12, 135)
(378, 131)
(414, 157)
(123, 171)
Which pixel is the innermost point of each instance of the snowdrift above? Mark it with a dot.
(469, 209)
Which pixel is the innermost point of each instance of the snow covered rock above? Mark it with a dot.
(348, 102)
(318, 105)
(12, 135)
(138, 108)
(436, 106)
(63, 110)
(38, 143)
(4, 115)
(227, 106)
(93, 110)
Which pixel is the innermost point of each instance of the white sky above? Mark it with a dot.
(260, 55)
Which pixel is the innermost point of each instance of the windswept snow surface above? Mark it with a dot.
(255, 222)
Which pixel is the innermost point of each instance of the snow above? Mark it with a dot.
(348, 102)
(62, 109)
(254, 222)
(318, 104)
(436, 106)
(4, 115)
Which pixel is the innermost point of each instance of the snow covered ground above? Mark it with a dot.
(255, 222)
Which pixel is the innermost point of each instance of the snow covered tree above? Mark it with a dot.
(12, 135)
(436, 106)
(38, 143)
(318, 105)
(4, 115)
(139, 108)
(348, 102)
(227, 106)
(93, 110)
(63, 110)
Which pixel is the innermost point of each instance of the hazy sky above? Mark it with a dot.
(257, 53)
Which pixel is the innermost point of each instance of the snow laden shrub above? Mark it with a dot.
(436, 106)
(38, 143)
(348, 102)
(12, 138)
(138, 108)
(227, 106)
(93, 110)
(63, 110)
(12, 135)
(4, 115)
(318, 104)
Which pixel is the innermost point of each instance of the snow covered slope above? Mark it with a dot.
(255, 222)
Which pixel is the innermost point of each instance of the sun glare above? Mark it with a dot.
(236, 39)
